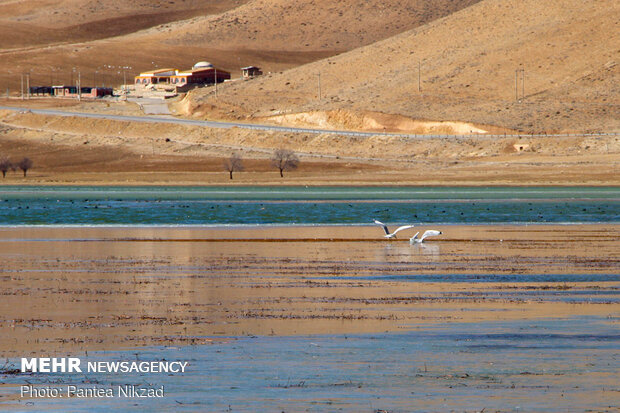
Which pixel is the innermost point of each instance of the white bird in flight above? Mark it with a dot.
(393, 234)
(429, 233)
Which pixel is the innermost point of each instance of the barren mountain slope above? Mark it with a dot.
(40, 22)
(569, 51)
(273, 34)
(315, 24)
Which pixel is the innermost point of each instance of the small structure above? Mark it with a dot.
(71, 91)
(41, 91)
(520, 147)
(202, 73)
(251, 71)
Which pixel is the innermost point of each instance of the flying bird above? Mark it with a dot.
(429, 233)
(387, 231)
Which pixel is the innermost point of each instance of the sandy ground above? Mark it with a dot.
(75, 289)
(68, 150)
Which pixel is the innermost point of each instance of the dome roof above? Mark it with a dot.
(202, 65)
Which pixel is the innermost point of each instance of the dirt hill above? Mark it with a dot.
(565, 55)
(49, 39)
(26, 23)
(314, 24)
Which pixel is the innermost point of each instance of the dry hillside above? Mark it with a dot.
(49, 39)
(569, 51)
(42, 22)
(314, 24)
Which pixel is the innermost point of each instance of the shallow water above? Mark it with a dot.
(301, 205)
(534, 365)
(305, 192)
(533, 311)
(491, 277)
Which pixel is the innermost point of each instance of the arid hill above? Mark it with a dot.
(49, 39)
(466, 54)
(314, 24)
(39, 22)
(564, 54)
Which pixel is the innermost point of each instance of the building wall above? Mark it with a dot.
(196, 77)
(86, 92)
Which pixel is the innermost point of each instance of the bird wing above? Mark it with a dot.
(430, 233)
(403, 227)
(385, 228)
(413, 239)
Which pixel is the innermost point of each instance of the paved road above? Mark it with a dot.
(254, 126)
(205, 123)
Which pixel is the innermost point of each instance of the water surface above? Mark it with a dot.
(304, 205)
(544, 365)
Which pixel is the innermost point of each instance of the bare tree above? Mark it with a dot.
(24, 165)
(5, 165)
(233, 164)
(284, 160)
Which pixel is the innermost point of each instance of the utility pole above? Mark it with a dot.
(28, 85)
(22, 86)
(79, 86)
(319, 85)
(517, 84)
(125, 88)
(522, 71)
(419, 76)
(215, 79)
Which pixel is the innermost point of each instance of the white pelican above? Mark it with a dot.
(393, 234)
(429, 233)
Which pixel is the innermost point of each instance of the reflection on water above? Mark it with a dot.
(402, 251)
(428, 249)
(537, 365)
(492, 277)
(484, 317)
